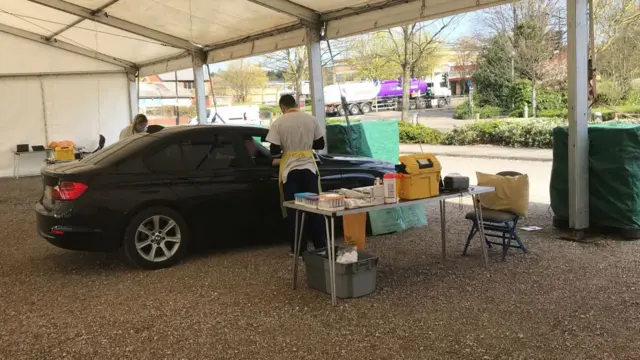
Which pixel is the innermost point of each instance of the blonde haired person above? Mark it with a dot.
(138, 125)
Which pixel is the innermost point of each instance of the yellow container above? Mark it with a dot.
(355, 229)
(65, 153)
(422, 178)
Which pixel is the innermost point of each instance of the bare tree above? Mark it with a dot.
(550, 14)
(466, 50)
(534, 28)
(294, 64)
(410, 44)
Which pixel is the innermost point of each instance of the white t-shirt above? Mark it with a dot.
(295, 131)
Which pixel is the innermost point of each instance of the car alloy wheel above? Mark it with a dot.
(158, 238)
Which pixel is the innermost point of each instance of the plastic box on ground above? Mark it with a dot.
(352, 280)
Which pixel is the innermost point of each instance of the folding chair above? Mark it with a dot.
(497, 224)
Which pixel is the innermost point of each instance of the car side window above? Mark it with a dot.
(167, 159)
(219, 153)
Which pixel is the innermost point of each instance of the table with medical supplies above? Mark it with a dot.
(331, 215)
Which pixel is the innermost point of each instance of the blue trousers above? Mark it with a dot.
(299, 181)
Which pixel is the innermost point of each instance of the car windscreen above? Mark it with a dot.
(118, 150)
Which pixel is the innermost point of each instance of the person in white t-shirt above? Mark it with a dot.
(139, 125)
(295, 135)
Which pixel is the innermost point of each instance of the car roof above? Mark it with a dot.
(191, 129)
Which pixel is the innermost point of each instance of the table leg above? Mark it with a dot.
(16, 165)
(483, 245)
(297, 244)
(331, 257)
(443, 228)
(333, 262)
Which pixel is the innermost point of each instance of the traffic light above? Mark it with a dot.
(445, 77)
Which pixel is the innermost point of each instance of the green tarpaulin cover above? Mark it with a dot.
(374, 139)
(378, 140)
(614, 175)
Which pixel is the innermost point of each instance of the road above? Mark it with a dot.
(539, 172)
(439, 119)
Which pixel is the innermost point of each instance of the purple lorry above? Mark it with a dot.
(394, 88)
(388, 98)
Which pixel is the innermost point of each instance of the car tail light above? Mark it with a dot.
(55, 231)
(244, 116)
(68, 190)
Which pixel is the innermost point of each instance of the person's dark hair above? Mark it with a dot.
(288, 101)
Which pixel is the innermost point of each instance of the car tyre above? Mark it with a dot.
(442, 103)
(340, 110)
(156, 238)
(412, 105)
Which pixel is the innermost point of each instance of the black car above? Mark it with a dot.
(154, 194)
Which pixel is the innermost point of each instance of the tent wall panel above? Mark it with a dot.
(80, 108)
(21, 122)
(22, 56)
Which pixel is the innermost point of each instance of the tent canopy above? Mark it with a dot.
(154, 37)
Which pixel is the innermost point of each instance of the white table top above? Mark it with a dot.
(473, 190)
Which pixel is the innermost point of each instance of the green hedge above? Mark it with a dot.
(531, 133)
(418, 134)
(607, 114)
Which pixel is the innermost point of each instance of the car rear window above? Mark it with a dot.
(119, 150)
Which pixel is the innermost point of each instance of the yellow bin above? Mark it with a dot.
(65, 153)
(422, 177)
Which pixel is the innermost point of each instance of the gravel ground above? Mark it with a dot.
(563, 300)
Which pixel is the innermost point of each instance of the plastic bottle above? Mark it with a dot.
(390, 185)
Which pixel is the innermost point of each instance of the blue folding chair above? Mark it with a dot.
(497, 224)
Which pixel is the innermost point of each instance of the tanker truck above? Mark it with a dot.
(364, 97)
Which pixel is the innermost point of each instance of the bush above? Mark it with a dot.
(551, 100)
(489, 111)
(418, 134)
(557, 113)
(534, 133)
(463, 111)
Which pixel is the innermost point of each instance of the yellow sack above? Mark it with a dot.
(512, 193)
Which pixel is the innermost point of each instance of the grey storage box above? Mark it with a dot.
(352, 280)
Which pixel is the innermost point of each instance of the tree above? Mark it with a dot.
(411, 43)
(532, 51)
(534, 29)
(466, 50)
(241, 76)
(294, 65)
(617, 41)
(493, 73)
(369, 56)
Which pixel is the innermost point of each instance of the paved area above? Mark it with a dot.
(539, 172)
(480, 151)
(562, 300)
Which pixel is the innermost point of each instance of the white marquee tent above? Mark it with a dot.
(68, 69)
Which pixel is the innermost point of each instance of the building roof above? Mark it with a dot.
(161, 36)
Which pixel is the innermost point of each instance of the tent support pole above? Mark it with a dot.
(198, 82)
(314, 55)
(578, 44)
